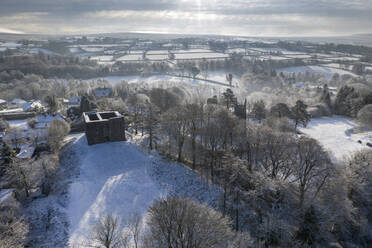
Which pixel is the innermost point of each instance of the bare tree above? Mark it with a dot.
(137, 105)
(134, 226)
(177, 222)
(176, 121)
(107, 232)
(212, 135)
(151, 120)
(365, 115)
(164, 99)
(48, 166)
(13, 227)
(312, 167)
(359, 176)
(22, 175)
(15, 136)
(194, 113)
(36, 135)
(57, 131)
(276, 152)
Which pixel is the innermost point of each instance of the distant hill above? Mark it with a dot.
(357, 39)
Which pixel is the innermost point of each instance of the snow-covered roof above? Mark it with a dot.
(6, 196)
(18, 101)
(26, 152)
(28, 106)
(100, 116)
(102, 91)
(75, 99)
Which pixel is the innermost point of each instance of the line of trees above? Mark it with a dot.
(276, 184)
(171, 222)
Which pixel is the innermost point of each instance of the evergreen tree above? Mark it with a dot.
(309, 228)
(229, 98)
(229, 78)
(7, 156)
(85, 104)
(280, 110)
(259, 110)
(52, 103)
(326, 97)
(344, 100)
(300, 114)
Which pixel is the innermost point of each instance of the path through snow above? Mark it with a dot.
(120, 179)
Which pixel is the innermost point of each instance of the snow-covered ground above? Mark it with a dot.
(336, 136)
(215, 76)
(104, 58)
(200, 55)
(326, 71)
(19, 124)
(157, 56)
(11, 110)
(120, 179)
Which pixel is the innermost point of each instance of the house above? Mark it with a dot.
(16, 103)
(103, 127)
(74, 101)
(32, 106)
(102, 92)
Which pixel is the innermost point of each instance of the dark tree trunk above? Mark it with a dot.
(193, 145)
(224, 200)
(150, 134)
(180, 145)
(237, 212)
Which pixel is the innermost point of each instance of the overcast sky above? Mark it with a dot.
(229, 17)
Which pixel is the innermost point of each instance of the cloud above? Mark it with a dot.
(10, 31)
(241, 17)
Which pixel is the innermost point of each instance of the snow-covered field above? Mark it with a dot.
(157, 56)
(346, 58)
(198, 50)
(200, 55)
(299, 56)
(272, 57)
(326, 71)
(215, 76)
(130, 57)
(336, 136)
(104, 58)
(120, 179)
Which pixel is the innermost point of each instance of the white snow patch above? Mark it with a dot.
(215, 76)
(19, 124)
(326, 71)
(334, 133)
(118, 178)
